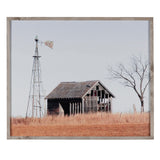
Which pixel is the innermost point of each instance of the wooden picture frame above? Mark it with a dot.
(9, 73)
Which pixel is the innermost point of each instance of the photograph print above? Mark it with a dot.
(80, 78)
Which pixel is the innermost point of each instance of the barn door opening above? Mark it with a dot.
(61, 110)
(65, 107)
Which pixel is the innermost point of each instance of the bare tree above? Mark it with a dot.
(136, 76)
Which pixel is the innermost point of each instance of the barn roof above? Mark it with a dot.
(73, 89)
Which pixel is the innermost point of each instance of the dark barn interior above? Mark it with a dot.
(53, 105)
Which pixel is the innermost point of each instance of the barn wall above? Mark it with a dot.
(53, 105)
(97, 99)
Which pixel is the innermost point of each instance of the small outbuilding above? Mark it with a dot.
(79, 97)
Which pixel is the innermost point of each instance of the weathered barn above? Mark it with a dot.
(79, 97)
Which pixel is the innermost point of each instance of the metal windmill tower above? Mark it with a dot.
(36, 102)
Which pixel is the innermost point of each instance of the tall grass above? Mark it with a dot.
(85, 119)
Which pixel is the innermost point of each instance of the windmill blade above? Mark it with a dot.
(49, 44)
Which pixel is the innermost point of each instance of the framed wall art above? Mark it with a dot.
(80, 78)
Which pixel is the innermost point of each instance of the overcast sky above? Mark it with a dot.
(82, 51)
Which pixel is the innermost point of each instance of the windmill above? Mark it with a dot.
(36, 103)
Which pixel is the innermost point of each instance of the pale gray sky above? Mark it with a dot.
(82, 51)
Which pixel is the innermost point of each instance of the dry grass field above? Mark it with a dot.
(95, 124)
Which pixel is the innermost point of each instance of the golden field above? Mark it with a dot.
(93, 124)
